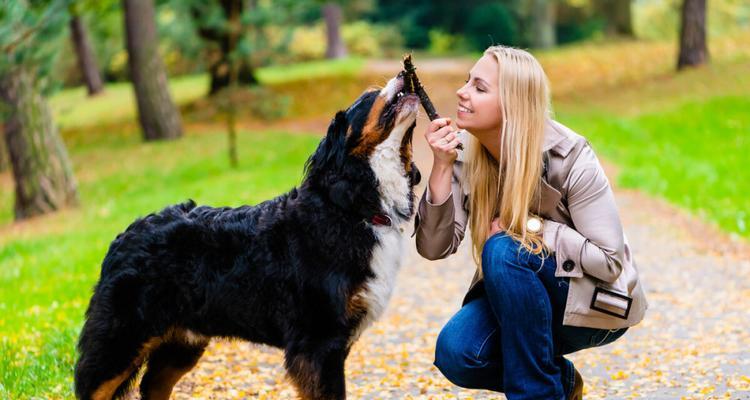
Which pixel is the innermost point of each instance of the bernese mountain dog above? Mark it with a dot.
(306, 272)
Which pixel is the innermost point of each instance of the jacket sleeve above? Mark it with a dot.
(597, 244)
(440, 227)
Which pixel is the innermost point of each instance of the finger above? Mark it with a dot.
(439, 135)
(453, 143)
(439, 123)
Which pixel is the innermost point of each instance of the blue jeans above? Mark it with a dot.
(511, 338)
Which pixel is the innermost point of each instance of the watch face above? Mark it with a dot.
(534, 225)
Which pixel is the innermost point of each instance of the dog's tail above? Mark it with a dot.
(111, 344)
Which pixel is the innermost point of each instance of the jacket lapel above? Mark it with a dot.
(549, 195)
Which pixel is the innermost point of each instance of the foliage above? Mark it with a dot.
(362, 39)
(660, 19)
(491, 24)
(444, 43)
(30, 36)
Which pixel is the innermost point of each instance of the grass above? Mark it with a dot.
(73, 109)
(682, 137)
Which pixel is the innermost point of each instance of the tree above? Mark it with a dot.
(158, 116)
(693, 48)
(542, 24)
(213, 27)
(335, 47)
(86, 60)
(618, 16)
(4, 162)
(41, 169)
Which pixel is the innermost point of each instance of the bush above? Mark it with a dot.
(361, 38)
(491, 24)
(443, 43)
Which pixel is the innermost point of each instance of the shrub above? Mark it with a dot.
(491, 24)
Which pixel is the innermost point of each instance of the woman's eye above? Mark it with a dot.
(480, 89)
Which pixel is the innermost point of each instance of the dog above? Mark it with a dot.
(306, 272)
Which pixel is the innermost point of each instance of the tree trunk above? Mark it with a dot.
(86, 59)
(543, 17)
(4, 162)
(693, 49)
(41, 169)
(157, 113)
(617, 15)
(226, 44)
(335, 44)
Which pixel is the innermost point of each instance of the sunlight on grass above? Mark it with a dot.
(74, 109)
(695, 156)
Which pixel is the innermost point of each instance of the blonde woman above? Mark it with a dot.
(555, 271)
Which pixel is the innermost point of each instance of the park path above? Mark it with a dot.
(693, 343)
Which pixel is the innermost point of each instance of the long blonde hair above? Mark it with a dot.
(507, 188)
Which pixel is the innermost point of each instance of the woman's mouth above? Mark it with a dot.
(464, 109)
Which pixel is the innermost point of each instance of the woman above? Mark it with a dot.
(555, 271)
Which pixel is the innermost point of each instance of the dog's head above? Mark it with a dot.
(366, 156)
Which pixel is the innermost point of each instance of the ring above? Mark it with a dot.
(443, 142)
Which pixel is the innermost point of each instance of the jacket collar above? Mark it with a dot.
(555, 138)
(556, 141)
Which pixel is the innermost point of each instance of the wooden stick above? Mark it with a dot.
(416, 87)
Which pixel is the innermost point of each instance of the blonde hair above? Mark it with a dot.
(507, 187)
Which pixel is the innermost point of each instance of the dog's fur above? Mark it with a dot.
(305, 272)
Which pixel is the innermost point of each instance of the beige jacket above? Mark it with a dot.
(581, 225)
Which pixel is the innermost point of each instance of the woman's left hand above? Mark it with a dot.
(495, 227)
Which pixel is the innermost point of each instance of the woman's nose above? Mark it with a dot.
(461, 93)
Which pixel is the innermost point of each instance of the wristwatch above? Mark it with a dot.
(534, 224)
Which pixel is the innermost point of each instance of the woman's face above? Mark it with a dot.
(478, 106)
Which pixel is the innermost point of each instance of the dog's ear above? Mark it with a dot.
(331, 151)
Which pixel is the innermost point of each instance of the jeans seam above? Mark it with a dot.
(484, 342)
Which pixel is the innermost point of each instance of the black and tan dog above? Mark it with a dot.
(306, 272)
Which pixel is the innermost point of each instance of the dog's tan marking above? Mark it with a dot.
(107, 389)
(371, 134)
(301, 372)
(406, 154)
(356, 305)
(165, 380)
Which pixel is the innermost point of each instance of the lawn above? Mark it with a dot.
(684, 138)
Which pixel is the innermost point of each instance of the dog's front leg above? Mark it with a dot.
(319, 374)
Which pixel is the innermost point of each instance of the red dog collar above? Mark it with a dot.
(381, 219)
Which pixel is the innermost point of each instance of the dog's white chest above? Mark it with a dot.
(385, 263)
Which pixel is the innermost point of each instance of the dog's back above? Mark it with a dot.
(166, 276)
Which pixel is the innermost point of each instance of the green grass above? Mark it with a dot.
(74, 109)
(50, 265)
(680, 136)
(684, 138)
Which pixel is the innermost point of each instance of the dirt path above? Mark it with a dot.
(694, 342)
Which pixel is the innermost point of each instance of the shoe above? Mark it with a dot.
(577, 392)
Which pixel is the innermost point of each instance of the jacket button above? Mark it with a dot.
(568, 265)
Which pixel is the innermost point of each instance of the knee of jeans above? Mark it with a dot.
(494, 253)
(455, 360)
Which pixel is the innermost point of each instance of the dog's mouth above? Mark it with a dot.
(406, 100)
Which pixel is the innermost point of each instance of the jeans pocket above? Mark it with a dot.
(606, 336)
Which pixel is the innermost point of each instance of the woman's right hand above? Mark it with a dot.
(442, 140)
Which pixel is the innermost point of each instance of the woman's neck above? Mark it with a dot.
(490, 140)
